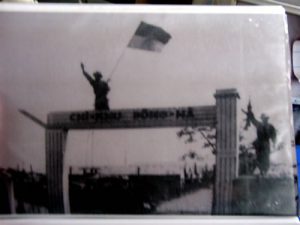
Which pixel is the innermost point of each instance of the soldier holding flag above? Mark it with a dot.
(146, 37)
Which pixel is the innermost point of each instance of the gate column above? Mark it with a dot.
(227, 149)
(55, 149)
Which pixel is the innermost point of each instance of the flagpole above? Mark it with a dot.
(117, 64)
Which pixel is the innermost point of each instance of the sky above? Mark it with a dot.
(40, 56)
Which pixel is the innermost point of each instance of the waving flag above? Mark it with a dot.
(149, 37)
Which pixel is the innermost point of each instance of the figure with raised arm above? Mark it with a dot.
(100, 88)
(265, 133)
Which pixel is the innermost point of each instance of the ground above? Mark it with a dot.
(199, 201)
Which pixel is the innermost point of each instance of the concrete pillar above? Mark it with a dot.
(7, 196)
(55, 148)
(11, 195)
(227, 149)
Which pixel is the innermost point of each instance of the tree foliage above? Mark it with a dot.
(205, 133)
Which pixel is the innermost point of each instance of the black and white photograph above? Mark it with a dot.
(138, 112)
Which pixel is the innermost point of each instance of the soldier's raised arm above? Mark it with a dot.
(252, 119)
(87, 76)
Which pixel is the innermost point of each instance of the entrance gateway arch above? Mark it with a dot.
(222, 116)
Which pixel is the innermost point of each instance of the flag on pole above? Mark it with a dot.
(149, 37)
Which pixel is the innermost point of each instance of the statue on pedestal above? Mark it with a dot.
(265, 133)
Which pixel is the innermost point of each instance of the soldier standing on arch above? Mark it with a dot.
(100, 88)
